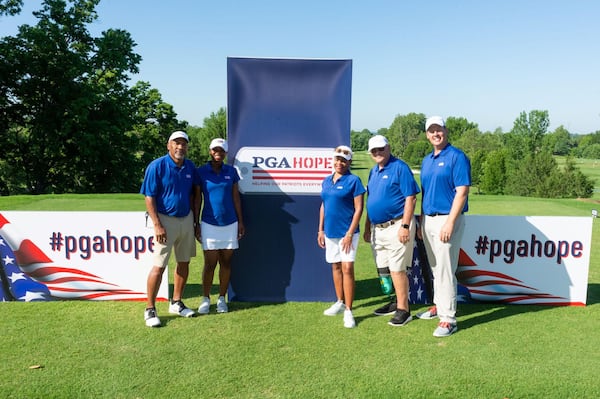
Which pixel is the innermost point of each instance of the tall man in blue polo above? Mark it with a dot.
(171, 188)
(390, 226)
(445, 180)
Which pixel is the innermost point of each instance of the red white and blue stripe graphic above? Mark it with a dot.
(298, 175)
(289, 170)
(486, 285)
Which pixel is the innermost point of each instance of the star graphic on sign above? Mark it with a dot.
(419, 293)
(2, 242)
(8, 260)
(416, 262)
(416, 280)
(30, 296)
(17, 276)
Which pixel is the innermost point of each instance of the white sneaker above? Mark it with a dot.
(204, 307)
(445, 329)
(430, 313)
(335, 309)
(151, 319)
(349, 319)
(179, 308)
(222, 305)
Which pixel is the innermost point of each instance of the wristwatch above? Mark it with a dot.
(405, 226)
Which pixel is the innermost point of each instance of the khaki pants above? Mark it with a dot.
(443, 260)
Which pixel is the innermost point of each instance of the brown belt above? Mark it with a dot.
(388, 223)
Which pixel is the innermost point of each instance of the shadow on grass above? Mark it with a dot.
(368, 295)
(193, 293)
(472, 315)
(469, 315)
(593, 294)
(487, 312)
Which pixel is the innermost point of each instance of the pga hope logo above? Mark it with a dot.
(290, 170)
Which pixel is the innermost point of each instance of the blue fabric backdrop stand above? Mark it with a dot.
(287, 103)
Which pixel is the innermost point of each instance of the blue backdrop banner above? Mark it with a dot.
(284, 118)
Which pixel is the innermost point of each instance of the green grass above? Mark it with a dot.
(262, 350)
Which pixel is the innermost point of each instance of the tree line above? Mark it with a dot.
(519, 162)
(70, 122)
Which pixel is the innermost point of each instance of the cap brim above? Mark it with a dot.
(346, 157)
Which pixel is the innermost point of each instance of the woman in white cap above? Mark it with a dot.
(221, 222)
(339, 218)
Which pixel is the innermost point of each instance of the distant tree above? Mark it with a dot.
(153, 122)
(214, 126)
(383, 131)
(359, 140)
(65, 105)
(591, 151)
(478, 160)
(415, 151)
(528, 177)
(531, 128)
(494, 172)
(577, 185)
(10, 7)
(458, 127)
(405, 129)
(558, 142)
(586, 145)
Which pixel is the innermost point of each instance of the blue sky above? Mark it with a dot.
(486, 61)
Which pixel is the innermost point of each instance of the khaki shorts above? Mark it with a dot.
(180, 237)
(388, 251)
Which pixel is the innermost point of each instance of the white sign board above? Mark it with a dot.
(76, 255)
(525, 259)
(288, 170)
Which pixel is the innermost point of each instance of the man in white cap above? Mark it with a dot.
(390, 225)
(445, 182)
(170, 188)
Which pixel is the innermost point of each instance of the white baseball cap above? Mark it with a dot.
(179, 135)
(343, 151)
(434, 120)
(377, 141)
(218, 143)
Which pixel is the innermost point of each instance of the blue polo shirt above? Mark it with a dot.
(170, 185)
(217, 192)
(338, 203)
(440, 175)
(387, 190)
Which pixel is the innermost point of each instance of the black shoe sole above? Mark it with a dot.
(400, 324)
(376, 313)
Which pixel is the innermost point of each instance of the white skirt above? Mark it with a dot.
(219, 237)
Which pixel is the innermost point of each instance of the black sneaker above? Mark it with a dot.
(401, 318)
(386, 309)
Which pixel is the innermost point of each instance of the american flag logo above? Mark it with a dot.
(490, 286)
(28, 274)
